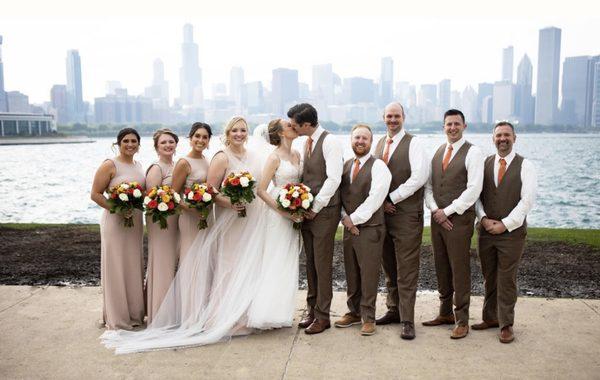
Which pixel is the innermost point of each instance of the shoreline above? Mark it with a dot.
(44, 140)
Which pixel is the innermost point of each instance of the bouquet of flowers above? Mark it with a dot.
(296, 199)
(160, 203)
(200, 196)
(123, 198)
(239, 188)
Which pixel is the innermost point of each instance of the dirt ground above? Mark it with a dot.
(71, 256)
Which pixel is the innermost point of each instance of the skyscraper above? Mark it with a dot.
(358, 90)
(158, 91)
(507, 63)
(524, 104)
(595, 120)
(190, 74)
(503, 107)
(3, 99)
(236, 88)
(285, 90)
(58, 100)
(444, 94)
(76, 109)
(323, 84)
(546, 100)
(577, 90)
(386, 81)
(483, 91)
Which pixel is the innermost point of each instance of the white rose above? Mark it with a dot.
(295, 194)
(123, 197)
(162, 206)
(160, 192)
(190, 195)
(137, 193)
(310, 197)
(307, 188)
(285, 203)
(282, 192)
(125, 186)
(282, 198)
(305, 204)
(206, 197)
(176, 197)
(244, 181)
(147, 200)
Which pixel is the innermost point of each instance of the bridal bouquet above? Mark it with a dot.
(161, 202)
(296, 199)
(239, 188)
(124, 198)
(200, 196)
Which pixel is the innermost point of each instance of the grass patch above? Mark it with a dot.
(35, 226)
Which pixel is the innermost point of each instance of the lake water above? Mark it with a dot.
(51, 183)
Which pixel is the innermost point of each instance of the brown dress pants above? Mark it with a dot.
(453, 266)
(318, 236)
(500, 256)
(362, 260)
(401, 255)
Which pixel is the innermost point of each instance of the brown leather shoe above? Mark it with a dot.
(408, 331)
(460, 331)
(347, 320)
(388, 318)
(318, 326)
(306, 321)
(368, 328)
(485, 325)
(506, 334)
(440, 320)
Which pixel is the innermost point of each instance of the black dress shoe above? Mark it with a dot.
(408, 331)
(306, 321)
(388, 318)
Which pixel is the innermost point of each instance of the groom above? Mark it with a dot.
(323, 166)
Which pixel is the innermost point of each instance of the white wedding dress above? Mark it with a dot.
(240, 275)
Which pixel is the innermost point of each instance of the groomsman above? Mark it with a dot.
(365, 182)
(323, 164)
(509, 189)
(453, 188)
(406, 159)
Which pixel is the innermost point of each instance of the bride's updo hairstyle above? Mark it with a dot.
(234, 120)
(275, 128)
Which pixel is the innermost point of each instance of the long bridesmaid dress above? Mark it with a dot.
(122, 264)
(188, 220)
(163, 252)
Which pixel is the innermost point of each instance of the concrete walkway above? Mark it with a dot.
(50, 332)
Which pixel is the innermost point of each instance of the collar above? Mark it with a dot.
(508, 157)
(362, 159)
(457, 145)
(399, 136)
(317, 133)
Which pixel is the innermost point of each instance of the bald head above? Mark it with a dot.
(393, 116)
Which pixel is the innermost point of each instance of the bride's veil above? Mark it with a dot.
(213, 289)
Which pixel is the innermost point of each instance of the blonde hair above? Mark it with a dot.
(163, 131)
(357, 126)
(229, 126)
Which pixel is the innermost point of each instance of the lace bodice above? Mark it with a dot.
(286, 173)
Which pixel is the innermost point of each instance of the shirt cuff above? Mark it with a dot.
(449, 210)
(510, 224)
(354, 221)
(394, 196)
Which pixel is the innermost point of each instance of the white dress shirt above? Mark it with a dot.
(334, 166)
(380, 183)
(518, 214)
(474, 163)
(419, 167)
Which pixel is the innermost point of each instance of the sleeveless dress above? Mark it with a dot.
(211, 294)
(275, 301)
(163, 252)
(188, 220)
(121, 269)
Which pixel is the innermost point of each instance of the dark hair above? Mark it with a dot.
(454, 112)
(163, 131)
(198, 125)
(503, 123)
(124, 132)
(304, 113)
(274, 128)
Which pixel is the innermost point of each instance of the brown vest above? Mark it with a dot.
(499, 201)
(314, 172)
(355, 193)
(449, 184)
(399, 165)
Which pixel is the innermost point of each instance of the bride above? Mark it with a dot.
(215, 294)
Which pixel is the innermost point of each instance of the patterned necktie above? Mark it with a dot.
(386, 150)
(309, 143)
(501, 170)
(447, 158)
(355, 169)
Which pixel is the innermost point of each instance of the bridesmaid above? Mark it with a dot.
(192, 168)
(121, 271)
(162, 244)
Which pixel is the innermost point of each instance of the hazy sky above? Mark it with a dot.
(429, 40)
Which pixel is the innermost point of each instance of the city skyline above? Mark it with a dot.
(124, 49)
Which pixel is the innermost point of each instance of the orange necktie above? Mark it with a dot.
(447, 158)
(386, 151)
(355, 169)
(501, 170)
(309, 147)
